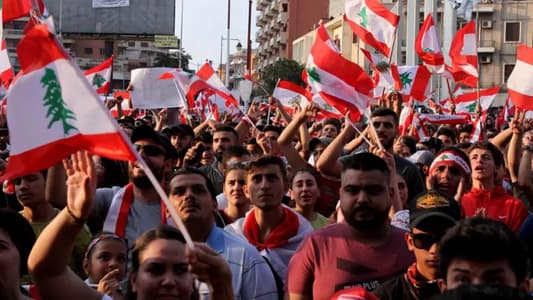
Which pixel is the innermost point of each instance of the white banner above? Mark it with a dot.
(151, 92)
(110, 3)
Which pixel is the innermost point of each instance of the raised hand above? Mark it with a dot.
(81, 184)
(207, 265)
(110, 283)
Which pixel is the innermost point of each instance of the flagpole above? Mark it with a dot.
(173, 213)
(451, 93)
(478, 65)
(184, 99)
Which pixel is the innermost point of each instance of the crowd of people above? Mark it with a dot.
(292, 207)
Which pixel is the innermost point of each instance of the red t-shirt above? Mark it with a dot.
(495, 204)
(330, 260)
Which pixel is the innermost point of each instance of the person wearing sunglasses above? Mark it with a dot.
(431, 214)
(130, 210)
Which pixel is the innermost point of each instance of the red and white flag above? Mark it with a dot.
(444, 119)
(290, 94)
(427, 46)
(519, 82)
(207, 74)
(340, 82)
(477, 131)
(388, 78)
(182, 81)
(373, 23)
(414, 81)
(62, 111)
(6, 71)
(100, 76)
(463, 54)
(467, 103)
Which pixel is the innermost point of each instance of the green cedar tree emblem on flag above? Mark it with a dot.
(53, 99)
(428, 50)
(98, 80)
(472, 107)
(364, 17)
(405, 79)
(313, 74)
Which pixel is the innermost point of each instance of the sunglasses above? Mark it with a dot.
(149, 150)
(426, 240)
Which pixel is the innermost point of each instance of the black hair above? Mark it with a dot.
(384, 112)
(497, 155)
(226, 128)
(483, 240)
(116, 172)
(234, 151)
(483, 292)
(410, 142)
(268, 160)
(334, 122)
(272, 128)
(449, 132)
(21, 234)
(190, 170)
(161, 232)
(366, 161)
(303, 170)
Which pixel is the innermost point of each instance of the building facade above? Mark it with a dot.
(502, 26)
(280, 22)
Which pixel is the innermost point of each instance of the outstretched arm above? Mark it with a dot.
(50, 255)
(328, 163)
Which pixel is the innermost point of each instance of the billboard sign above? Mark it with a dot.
(165, 41)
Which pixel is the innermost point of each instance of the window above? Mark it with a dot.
(88, 50)
(101, 51)
(144, 44)
(131, 44)
(507, 69)
(512, 32)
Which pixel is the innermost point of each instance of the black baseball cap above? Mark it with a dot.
(180, 129)
(435, 209)
(147, 132)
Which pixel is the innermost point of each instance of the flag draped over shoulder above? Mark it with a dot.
(427, 46)
(519, 84)
(373, 23)
(62, 112)
(340, 82)
(100, 76)
(463, 54)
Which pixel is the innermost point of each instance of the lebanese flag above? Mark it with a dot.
(373, 23)
(208, 75)
(467, 103)
(519, 82)
(6, 71)
(100, 76)
(290, 94)
(477, 131)
(386, 78)
(340, 82)
(14, 9)
(463, 54)
(444, 119)
(66, 114)
(406, 119)
(414, 80)
(420, 131)
(427, 46)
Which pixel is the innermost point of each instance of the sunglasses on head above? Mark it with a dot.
(149, 150)
(426, 240)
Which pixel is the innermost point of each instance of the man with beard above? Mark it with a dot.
(135, 208)
(365, 250)
(386, 123)
(181, 137)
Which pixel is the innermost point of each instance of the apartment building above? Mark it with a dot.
(502, 26)
(280, 22)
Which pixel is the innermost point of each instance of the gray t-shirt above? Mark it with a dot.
(142, 216)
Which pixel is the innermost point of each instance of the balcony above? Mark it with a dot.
(274, 6)
(262, 4)
(484, 8)
(260, 21)
(270, 13)
(487, 46)
(282, 18)
(282, 37)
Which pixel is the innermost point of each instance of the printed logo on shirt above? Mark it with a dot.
(369, 286)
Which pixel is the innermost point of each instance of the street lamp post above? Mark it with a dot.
(181, 36)
(227, 44)
(226, 78)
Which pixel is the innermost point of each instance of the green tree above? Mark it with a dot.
(284, 69)
(98, 80)
(171, 60)
(53, 99)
